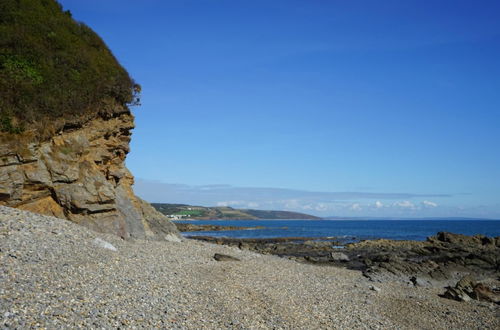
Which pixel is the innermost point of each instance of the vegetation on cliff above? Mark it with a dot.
(55, 70)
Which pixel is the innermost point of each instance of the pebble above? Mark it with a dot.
(103, 244)
(63, 280)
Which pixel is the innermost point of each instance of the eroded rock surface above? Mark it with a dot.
(79, 174)
(442, 259)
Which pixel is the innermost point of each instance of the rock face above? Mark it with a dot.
(79, 174)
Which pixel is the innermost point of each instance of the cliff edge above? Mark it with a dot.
(65, 124)
(80, 175)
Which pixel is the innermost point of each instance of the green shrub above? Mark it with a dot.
(52, 67)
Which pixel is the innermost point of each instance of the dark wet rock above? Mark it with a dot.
(318, 244)
(224, 257)
(441, 260)
(299, 248)
(191, 227)
(462, 240)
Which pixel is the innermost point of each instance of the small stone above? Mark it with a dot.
(103, 244)
(172, 238)
(416, 281)
(224, 257)
(375, 288)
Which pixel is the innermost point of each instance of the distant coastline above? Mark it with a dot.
(190, 212)
(194, 212)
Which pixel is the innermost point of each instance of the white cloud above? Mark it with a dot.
(233, 203)
(405, 205)
(318, 203)
(209, 194)
(355, 207)
(429, 204)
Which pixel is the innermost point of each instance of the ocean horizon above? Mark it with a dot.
(349, 230)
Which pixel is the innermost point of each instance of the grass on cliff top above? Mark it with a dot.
(52, 67)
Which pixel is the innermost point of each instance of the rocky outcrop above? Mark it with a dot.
(190, 227)
(314, 250)
(442, 259)
(79, 174)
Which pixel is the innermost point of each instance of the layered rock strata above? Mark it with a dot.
(79, 174)
(441, 259)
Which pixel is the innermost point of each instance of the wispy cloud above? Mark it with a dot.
(429, 204)
(159, 191)
(322, 203)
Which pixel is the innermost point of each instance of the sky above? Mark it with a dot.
(333, 108)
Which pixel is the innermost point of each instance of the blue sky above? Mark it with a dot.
(349, 108)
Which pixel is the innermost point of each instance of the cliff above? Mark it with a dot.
(80, 175)
(65, 124)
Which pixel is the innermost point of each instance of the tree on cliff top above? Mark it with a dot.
(54, 69)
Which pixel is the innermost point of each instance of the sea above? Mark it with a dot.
(349, 230)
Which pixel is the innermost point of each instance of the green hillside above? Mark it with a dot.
(182, 211)
(55, 71)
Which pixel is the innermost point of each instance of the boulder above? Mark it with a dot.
(467, 289)
(484, 293)
(466, 284)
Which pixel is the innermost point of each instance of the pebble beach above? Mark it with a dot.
(57, 274)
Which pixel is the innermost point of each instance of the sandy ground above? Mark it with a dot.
(55, 274)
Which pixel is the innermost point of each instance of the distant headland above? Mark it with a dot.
(190, 212)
